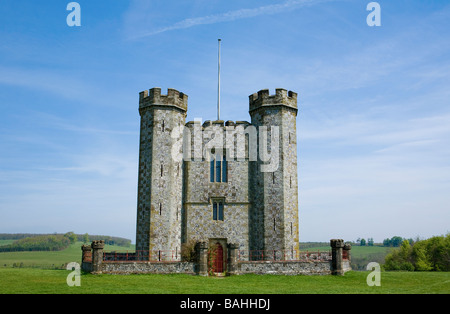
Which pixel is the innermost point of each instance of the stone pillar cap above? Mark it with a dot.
(98, 244)
(337, 243)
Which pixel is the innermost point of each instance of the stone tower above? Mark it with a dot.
(233, 198)
(274, 187)
(158, 229)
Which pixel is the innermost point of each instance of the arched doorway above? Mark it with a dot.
(217, 264)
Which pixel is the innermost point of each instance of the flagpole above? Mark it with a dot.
(218, 85)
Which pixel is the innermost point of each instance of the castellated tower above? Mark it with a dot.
(222, 184)
(158, 231)
(274, 189)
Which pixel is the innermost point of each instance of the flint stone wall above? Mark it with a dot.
(149, 268)
(284, 268)
(245, 267)
(200, 267)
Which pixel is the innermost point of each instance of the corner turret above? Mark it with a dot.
(282, 97)
(153, 97)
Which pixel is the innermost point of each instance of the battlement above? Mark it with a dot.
(220, 123)
(282, 97)
(153, 97)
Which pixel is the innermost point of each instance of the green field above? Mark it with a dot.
(35, 272)
(6, 242)
(49, 259)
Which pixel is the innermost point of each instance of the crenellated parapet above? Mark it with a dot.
(153, 97)
(282, 97)
(217, 123)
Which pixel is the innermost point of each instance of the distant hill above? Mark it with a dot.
(38, 243)
(52, 242)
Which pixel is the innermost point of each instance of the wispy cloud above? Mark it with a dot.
(233, 15)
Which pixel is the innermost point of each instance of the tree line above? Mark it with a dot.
(53, 242)
(395, 241)
(432, 254)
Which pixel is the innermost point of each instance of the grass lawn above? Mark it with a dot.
(40, 281)
(53, 281)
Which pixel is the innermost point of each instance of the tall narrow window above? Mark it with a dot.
(218, 172)
(218, 169)
(214, 210)
(162, 126)
(224, 169)
(162, 170)
(218, 209)
(221, 211)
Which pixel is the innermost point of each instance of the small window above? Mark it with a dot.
(218, 210)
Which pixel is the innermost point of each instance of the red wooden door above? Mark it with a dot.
(218, 259)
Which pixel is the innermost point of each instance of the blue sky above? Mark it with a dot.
(373, 124)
